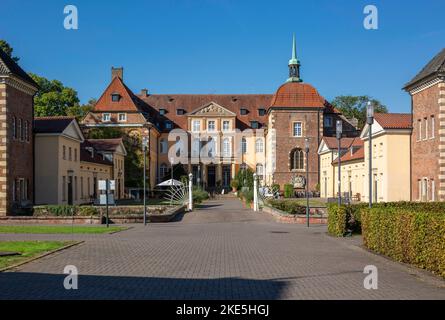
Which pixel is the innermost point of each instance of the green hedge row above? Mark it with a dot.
(64, 210)
(289, 206)
(344, 219)
(348, 217)
(408, 234)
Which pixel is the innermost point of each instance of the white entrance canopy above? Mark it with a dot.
(170, 182)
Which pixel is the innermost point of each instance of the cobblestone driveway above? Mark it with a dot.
(220, 251)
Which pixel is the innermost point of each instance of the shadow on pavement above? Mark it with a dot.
(22, 285)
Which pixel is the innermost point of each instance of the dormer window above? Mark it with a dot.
(261, 112)
(243, 111)
(162, 112)
(115, 97)
(254, 124)
(106, 117)
(180, 112)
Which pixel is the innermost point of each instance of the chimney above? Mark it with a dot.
(117, 72)
(144, 92)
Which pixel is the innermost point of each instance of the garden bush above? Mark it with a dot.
(199, 195)
(413, 234)
(288, 206)
(288, 191)
(234, 184)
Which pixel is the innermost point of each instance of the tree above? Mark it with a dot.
(80, 111)
(355, 107)
(53, 98)
(8, 50)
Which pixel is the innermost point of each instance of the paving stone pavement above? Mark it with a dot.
(220, 251)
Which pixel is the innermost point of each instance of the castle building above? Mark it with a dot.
(427, 91)
(17, 91)
(215, 135)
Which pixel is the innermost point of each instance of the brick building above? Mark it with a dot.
(225, 132)
(427, 90)
(17, 90)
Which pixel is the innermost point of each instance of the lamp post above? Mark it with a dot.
(190, 192)
(144, 150)
(370, 121)
(306, 149)
(171, 181)
(255, 192)
(339, 130)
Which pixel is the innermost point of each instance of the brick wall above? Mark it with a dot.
(425, 162)
(285, 142)
(16, 157)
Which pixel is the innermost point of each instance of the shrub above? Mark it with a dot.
(346, 219)
(407, 234)
(199, 195)
(288, 191)
(234, 184)
(288, 206)
(248, 196)
(87, 211)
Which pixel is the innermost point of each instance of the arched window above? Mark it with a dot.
(163, 170)
(226, 147)
(163, 146)
(260, 170)
(297, 159)
(259, 145)
(243, 145)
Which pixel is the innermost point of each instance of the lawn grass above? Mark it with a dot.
(60, 229)
(28, 250)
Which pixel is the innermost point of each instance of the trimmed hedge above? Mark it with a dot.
(288, 191)
(65, 210)
(408, 234)
(344, 219)
(289, 206)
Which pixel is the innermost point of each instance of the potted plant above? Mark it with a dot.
(234, 184)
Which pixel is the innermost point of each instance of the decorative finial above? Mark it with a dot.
(294, 64)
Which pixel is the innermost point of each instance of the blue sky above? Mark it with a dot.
(226, 46)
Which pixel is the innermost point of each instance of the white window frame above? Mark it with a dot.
(228, 125)
(196, 125)
(259, 145)
(433, 190)
(227, 147)
(208, 125)
(294, 133)
(426, 128)
(243, 145)
(124, 117)
(106, 117)
(163, 146)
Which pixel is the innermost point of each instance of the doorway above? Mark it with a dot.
(226, 175)
(70, 190)
(211, 176)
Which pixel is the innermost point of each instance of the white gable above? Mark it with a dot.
(73, 131)
(212, 109)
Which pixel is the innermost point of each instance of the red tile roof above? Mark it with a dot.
(189, 102)
(394, 120)
(332, 142)
(297, 94)
(356, 154)
(127, 102)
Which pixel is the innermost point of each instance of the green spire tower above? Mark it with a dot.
(294, 65)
